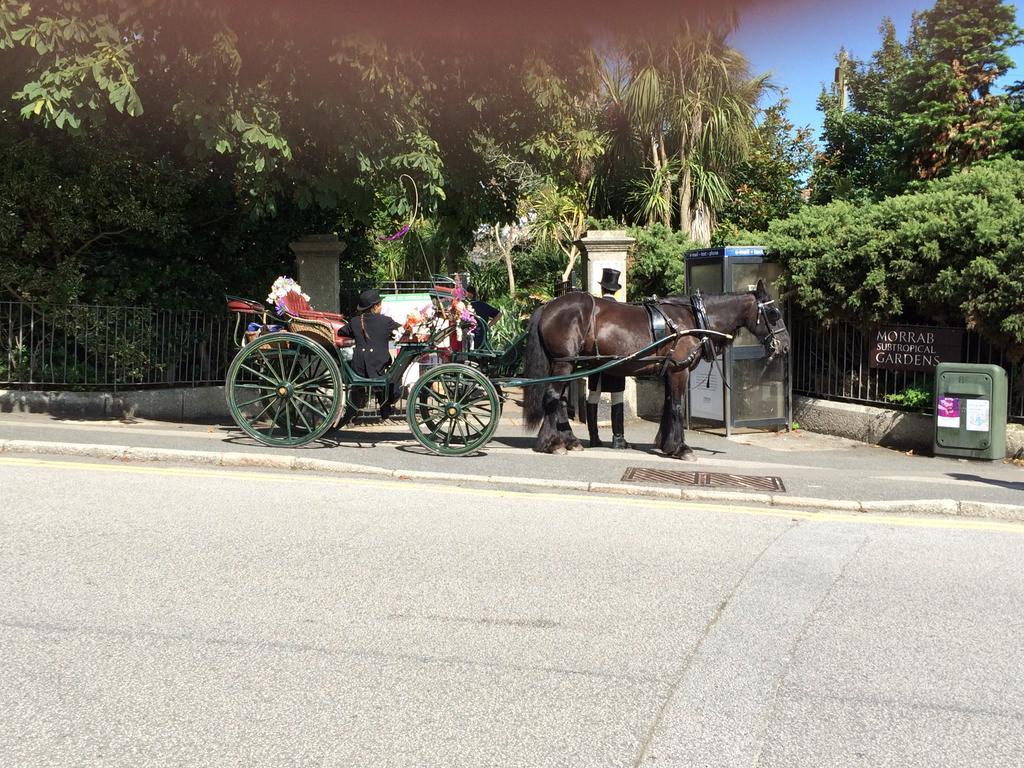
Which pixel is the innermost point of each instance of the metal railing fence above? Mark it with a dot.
(89, 346)
(831, 362)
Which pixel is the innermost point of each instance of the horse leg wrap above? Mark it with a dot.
(595, 438)
(618, 425)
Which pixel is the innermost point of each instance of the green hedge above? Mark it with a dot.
(951, 251)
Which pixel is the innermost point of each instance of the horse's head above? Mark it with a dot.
(766, 323)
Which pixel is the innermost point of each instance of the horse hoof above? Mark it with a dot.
(687, 455)
(559, 450)
(577, 446)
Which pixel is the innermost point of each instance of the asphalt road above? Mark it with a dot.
(163, 615)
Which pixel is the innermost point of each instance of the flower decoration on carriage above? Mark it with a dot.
(460, 311)
(418, 323)
(280, 290)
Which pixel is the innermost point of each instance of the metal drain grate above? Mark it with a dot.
(703, 479)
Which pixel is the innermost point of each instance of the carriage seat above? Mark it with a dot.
(245, 306)
(298, 309)
(324, 330)
(296, 306)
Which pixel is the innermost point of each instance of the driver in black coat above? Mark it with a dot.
(607, 382)
(371, 355)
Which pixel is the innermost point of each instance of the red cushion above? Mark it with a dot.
(245, 306)
(296, 306)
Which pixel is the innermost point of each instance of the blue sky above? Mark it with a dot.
(797, 42)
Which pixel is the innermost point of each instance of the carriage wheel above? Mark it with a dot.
(284, 389)
(453, 410)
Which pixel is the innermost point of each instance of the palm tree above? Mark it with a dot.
(690, 102)
(715, 104)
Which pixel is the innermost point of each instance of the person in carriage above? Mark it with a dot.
(371, 355)
(485, 313)
(615, 386)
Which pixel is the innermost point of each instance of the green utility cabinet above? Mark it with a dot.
(970, 411)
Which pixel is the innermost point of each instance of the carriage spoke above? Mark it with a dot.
(431, 393)
(302, 416)
(260, 374)
(276, 418)
(310, 405)
(483, 425)
(268, 363)
(307, 389)
(288, 418)
(259, 415)
(256, 400)
(312, 371)
(443, 381)
(458, 388)
(280, 359)
(295, 361)
(435, 426)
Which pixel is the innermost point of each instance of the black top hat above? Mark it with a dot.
(368, 299)
(610, 280)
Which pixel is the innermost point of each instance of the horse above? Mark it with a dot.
(577, 331)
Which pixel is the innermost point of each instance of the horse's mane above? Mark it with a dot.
(712, 298)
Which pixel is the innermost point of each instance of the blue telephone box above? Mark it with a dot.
(744, 398)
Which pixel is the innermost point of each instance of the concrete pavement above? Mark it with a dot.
(817, 471)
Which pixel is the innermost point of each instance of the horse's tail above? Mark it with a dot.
(536, 366)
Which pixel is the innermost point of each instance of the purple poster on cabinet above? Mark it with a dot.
(948, 411)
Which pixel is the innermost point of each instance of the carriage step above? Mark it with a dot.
(703, 479)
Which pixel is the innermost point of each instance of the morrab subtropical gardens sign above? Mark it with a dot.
(914, 347)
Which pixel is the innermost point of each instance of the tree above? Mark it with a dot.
(769, 183)
(922, 109)
(691, 100)
(565, 147)
(862, 143)
(282, 120)
(949, 114)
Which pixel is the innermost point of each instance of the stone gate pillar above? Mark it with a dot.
(601, 249)
(317, 261)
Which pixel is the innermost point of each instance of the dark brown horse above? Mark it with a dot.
(578, 325)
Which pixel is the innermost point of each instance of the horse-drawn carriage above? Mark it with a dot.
(292, 373)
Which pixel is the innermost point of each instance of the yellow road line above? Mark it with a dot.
(619, 501)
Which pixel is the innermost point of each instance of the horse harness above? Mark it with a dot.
(661, 323)
(663, 327)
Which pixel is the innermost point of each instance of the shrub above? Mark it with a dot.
(656, 262)
(951, 251)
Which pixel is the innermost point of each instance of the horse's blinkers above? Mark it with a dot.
(776, 340)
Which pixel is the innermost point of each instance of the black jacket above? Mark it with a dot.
(372, 332)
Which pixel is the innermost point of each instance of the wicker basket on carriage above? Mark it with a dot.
(313, 329)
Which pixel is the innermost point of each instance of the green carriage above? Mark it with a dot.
(290, 380)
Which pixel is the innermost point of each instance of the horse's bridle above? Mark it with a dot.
(770, 340)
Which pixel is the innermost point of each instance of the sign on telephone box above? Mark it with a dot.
(706, 392)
